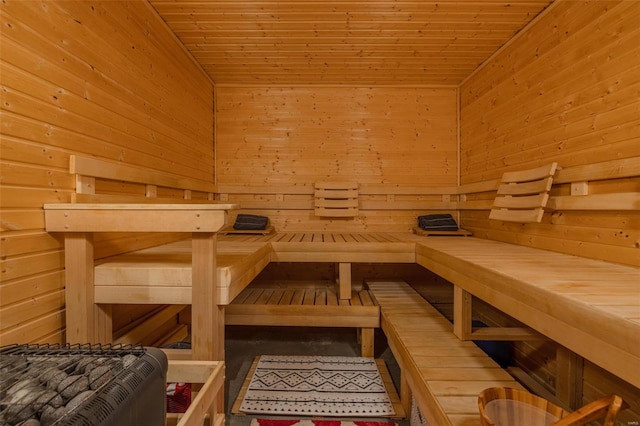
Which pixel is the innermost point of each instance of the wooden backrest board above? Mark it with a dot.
(523, 195)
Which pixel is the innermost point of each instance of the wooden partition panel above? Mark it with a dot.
(565, 90)
(292, 137)
(96, 78)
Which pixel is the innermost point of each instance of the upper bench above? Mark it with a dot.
(589, 306)
(174, 213)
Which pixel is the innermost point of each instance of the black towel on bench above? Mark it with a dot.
(250, 222)
(437, 222)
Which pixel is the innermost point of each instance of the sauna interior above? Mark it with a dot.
(423, 105)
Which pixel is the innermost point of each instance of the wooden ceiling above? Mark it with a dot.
(366, 42)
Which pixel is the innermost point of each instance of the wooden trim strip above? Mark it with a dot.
(618, 201)
(615, 169)
(106, 169)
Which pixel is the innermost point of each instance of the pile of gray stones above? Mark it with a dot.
(42, 390)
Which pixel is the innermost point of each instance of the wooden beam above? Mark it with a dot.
(135, 217)
(462, 313)
(569, 371)
(207, 318)
(82, 316)
(344, 280)
(512, 334)
(613, 201)
(366, 342)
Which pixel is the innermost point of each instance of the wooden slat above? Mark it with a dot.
(99, 168)
(527, 202)
(614, 169)
(529, 175)
(318, 307)
(611, 202)
(135, 217)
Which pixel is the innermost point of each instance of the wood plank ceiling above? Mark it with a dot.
(366, 42)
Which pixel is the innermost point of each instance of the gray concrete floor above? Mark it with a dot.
(244, 343)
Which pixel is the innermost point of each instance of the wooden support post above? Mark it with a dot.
(344, 280)
(85, 321)
(569, 370)
(366, 342)
(462, 313)
(207, 320)
(405, 393)
(103, 323)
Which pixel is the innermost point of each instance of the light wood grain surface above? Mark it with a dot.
(588, 306)
(444, 373)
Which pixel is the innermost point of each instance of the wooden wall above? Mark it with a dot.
(97, 78)
(567, 89)
(292, 137)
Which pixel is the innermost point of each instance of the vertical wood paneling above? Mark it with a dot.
(100, 78)
(565, 90)
(301, 135)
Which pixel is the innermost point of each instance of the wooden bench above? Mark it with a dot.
(443, 373)
(163, 274)
(502, 282)
(588, 306)
(306, 306)
(184, 207)
(340, 248)
(342, 306)
(501, 274)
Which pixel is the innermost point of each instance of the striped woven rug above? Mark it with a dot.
(317, 386)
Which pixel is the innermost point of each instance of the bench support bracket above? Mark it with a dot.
(463, 320)
(344, 280)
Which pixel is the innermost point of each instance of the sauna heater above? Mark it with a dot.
(82, 385)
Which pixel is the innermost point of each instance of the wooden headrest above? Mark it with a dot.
(523, 195)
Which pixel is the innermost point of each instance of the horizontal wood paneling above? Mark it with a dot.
(100, 78)
(299, 136)
(348, 42)
(567, 90)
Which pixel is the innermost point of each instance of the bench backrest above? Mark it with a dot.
(103, 181)
(523, 195)
(580, 194)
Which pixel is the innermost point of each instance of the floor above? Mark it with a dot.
(243, 344)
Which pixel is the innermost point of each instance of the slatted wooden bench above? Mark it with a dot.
(340, 248)
(443, 373)
(306, 306)
(342, 306)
